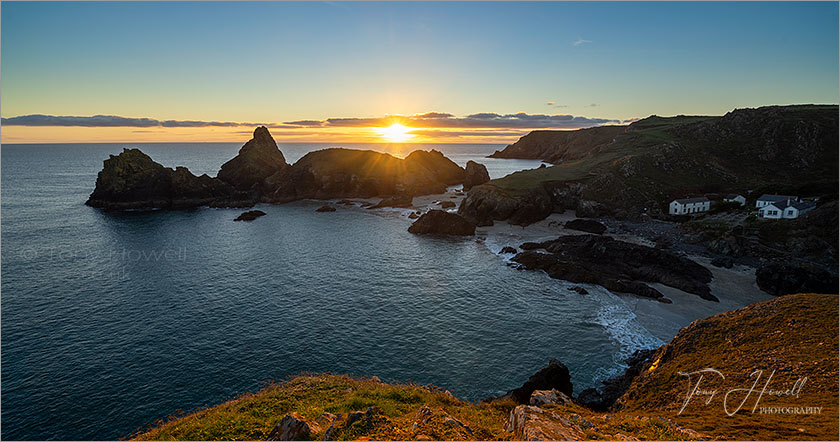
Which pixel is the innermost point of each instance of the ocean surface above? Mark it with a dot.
(111, 321)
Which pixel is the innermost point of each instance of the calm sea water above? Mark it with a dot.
(113, 320)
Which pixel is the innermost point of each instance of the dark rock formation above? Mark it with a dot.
(554, 376)
(486, 203)
(777, 278)
(723, 261)
(579, 290)
(586, 225)
(508, 250)
(560, 145)
(399, 201)
(257, 160)
(413, 215)
(613, 388)
(447, 204)
(616, 265)
(476, 174)
(250, 215)
(444, 223)
(442, 169)
(325, 208)
(131, 180)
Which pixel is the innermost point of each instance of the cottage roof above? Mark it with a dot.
(701, 199)
(774, 198)
(732, 196)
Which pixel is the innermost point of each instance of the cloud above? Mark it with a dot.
(580, 41)
(428, 120)
(117, 121)
(437, 133)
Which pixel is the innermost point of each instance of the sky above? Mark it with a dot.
(444, 72)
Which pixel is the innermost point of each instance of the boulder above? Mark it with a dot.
(579, 290)
(549, 397)
(325, 208)
(555, 376)
(444, 223)
(528, 422)
(784, 278)
(400, 201)
(476, 174)
(616, 265)
(292, 427)
(447, 204)
(250, 215)
(413, 215)
(508, 250)
(586, 225)
(257, 160)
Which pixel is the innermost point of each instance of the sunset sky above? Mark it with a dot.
(445, 72)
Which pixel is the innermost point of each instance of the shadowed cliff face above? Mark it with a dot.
(257, 160)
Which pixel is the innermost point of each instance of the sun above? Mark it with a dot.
(396, 133)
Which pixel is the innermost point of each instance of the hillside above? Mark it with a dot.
(555, 146)
(796, 335)
(657, 159)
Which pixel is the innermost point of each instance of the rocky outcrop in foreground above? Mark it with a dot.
(442, 223)
(259, 173)
(131, 180)
(616, 265)
(476, 174)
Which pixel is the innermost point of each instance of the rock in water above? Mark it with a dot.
(779, 279)
(447, 204)
(250, 215)
(554, 376)
(325, 208)
(476, 174)
(399, 201)
(444, 223)
(257, 160)
(132, 180)
(508, 250)
(586, 225)
(615, 265)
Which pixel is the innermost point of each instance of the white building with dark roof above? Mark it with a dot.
(732, 198)
(766, 200)
(786, 209)
(689, 206)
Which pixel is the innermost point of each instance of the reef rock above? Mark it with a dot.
(443, 223)
(250, 215)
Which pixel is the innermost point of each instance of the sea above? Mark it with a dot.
(114, 320)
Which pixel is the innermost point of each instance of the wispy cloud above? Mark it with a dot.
(580, 41)
(117, 121)
(428, 120)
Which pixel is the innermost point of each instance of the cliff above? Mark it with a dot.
(793, 339)
(652, 161)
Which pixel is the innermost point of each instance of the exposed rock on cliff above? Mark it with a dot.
(132, 180)
(476, 174)
(554, 376)
(443, 223)
(257, 160)
(783, 278)
(616, 265)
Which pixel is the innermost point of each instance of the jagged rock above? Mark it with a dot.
(549, 397)
(132, 180)
(325, 208)
(447, 204)
(508, 250)
(778, 279)
(589, 209)
(440, 222)
(399, 201)
(527, 422)
(413, 215)
(257, 160)
(586, 225)
(723, 261)
(554, 376)
(476, 174)
(250, 215)
(579, 290)
(292, 427)
(613, 388)
(486, 203)
(616, 265)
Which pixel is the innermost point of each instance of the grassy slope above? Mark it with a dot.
(796, 335)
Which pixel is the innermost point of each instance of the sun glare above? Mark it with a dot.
(396, 133)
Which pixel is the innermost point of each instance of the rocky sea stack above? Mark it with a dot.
(257, 160)
(442, 223)
(476, 174)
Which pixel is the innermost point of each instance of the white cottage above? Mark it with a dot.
(787, 209)
(766, 200)
(732, 198)
(689, 206)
